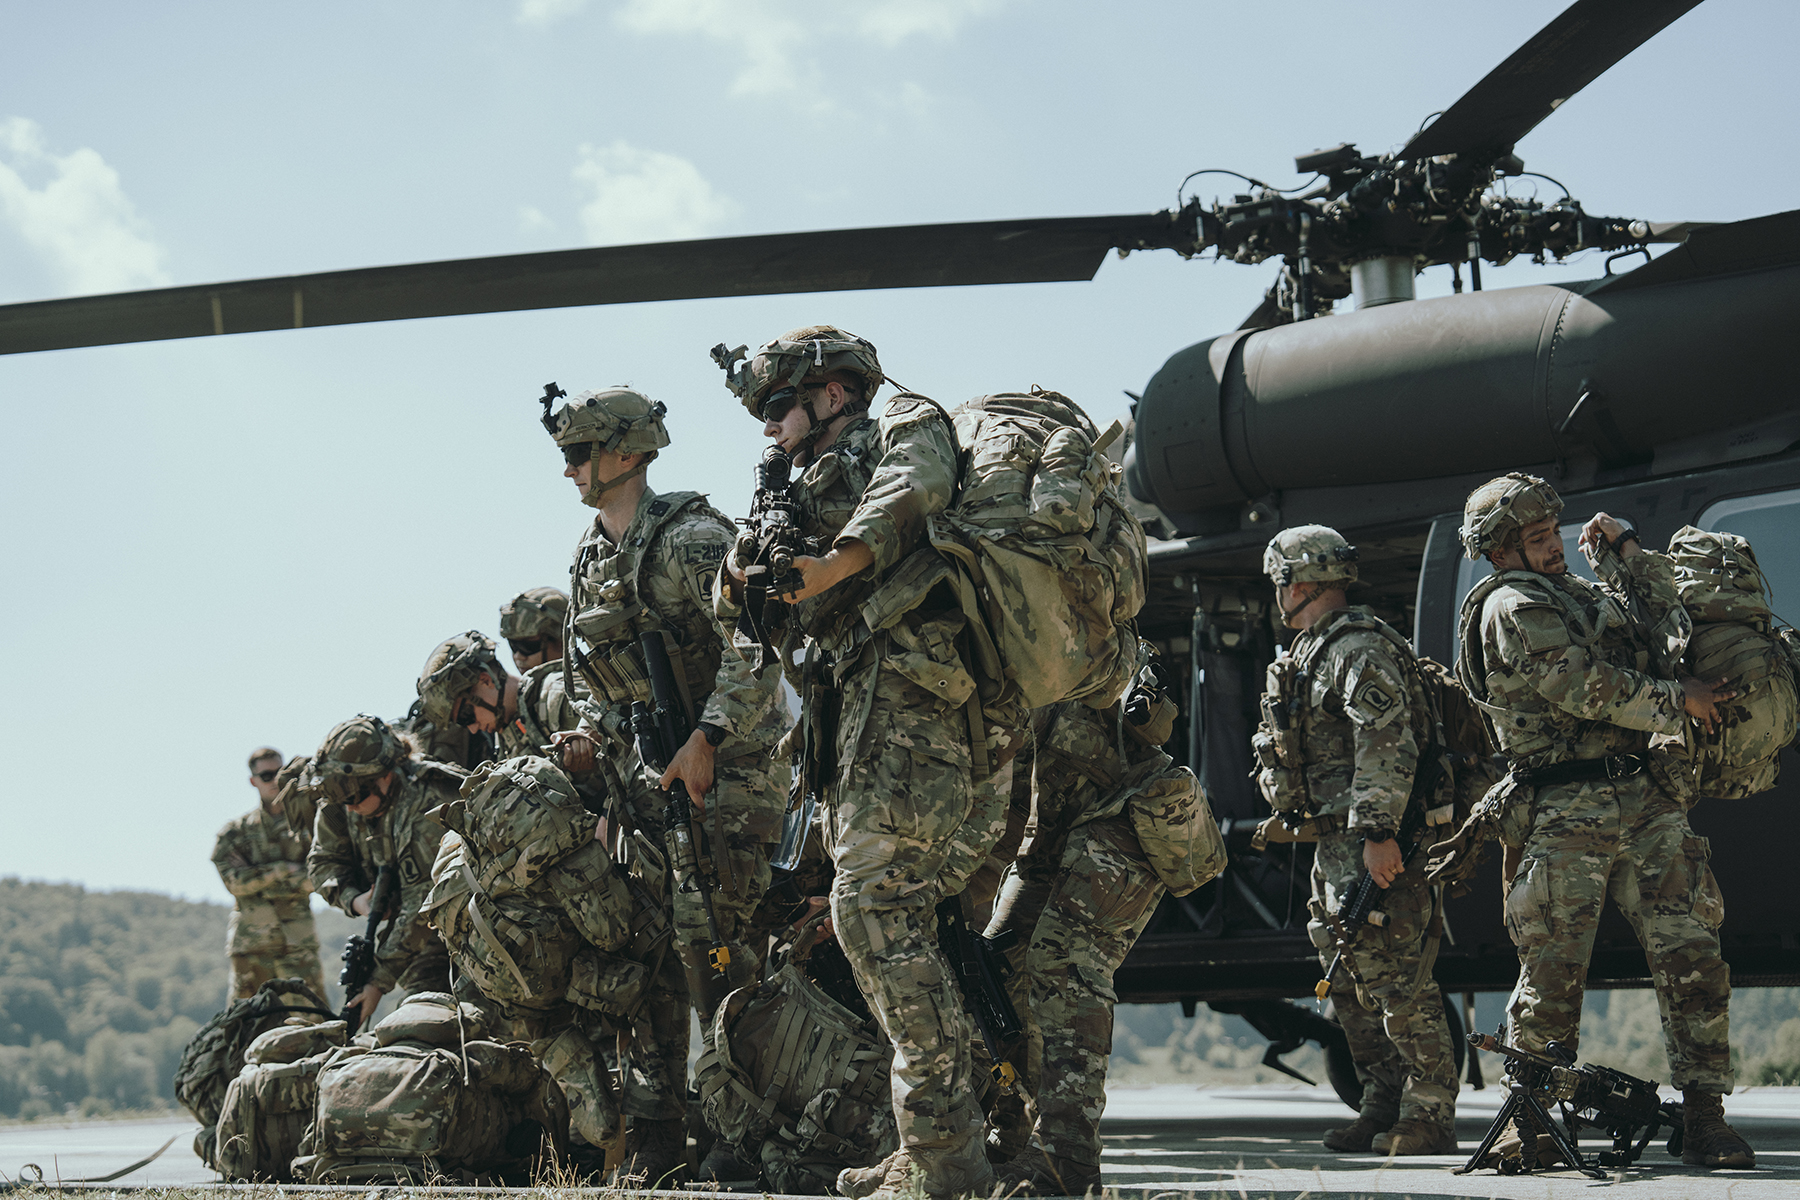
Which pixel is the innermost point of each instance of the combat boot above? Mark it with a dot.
(1706, 1140)
(1035, 1173)
(1511, 1143)
(1356, 1137)
(656, 1152)
(858, 1182)
(1415, 1135)
(723, 1164)
(965, 1172)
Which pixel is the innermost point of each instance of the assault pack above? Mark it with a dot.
(269, 1106)
(1051, 564)
(1724, 591)
(215, 1054)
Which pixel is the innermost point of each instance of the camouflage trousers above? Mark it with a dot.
(905, 826)
(251, 971)
(1628, 840)
(1385, 997)
(1081, 912)
(426, 971)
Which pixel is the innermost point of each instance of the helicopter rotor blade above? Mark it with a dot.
(951, 255)
(1676, 231)
(1562, 58)
(1749, 245)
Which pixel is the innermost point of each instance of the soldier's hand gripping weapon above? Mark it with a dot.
(359, 951)
(766, 549)
(661, 732)
(1624, 1106)
(980, 972)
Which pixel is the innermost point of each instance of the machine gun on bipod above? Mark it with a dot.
(1625, 1107)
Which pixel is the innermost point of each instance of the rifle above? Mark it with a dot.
(1361, 905)
(359, 951)
(660, 734)
(1619, 1104)
(767, 548)
(980, 971)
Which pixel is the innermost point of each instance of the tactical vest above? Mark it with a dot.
(1290, 724)
(826, 494)
(609, 611)
(1530, 727)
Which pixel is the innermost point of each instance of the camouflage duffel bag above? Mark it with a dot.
(215, 1054)
(269, 1106)
(798, 1075)
(407, 1111)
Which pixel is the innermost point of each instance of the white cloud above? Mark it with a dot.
(778, 41)
(533, 220)
(646, 196)
(547, 12)
(78, 220)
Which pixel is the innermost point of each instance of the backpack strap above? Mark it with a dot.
(487, 931)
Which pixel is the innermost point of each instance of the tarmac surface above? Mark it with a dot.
(1163, 1141)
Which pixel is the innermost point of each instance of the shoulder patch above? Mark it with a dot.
(702, 552)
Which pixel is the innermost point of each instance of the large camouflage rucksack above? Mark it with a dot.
(796, 1075)
(1052, 564)
(269, 1106)
(1725, 593)
(215, 1054)
(423, 1097)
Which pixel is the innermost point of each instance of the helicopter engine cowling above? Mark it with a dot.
(1459, 384)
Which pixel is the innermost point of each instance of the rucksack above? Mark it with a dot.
(1052, 567)
(215, 1054)
(269, 1106)
(794, 1072)
(1724, 591)
(423, 1098)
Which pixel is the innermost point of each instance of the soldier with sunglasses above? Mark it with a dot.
(531, 624)
(378, 792)
(263, 865)
(645, 567)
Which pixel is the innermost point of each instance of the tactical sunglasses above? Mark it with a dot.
(577, 454)
(465, 712)
(525, 646)
(777, 403)
(267, 776)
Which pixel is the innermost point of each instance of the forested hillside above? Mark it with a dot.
(99, 991)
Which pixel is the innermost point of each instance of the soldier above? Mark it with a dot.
(531, 624)
(377, 791)
(463, 684)
(892, 755)
(1558, 665)
(263, 865)
(1080, 891)
(645, 567)
(1346, 718)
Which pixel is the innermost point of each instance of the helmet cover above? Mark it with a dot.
(810, 350)
(1309, 553)
(355, 752)
(451, 672)
(539, 612)
(1500, 507)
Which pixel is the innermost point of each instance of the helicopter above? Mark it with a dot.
(1269, 426)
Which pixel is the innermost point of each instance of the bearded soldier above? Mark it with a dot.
(892, 754)
(377, 794)
(262, 863)
(645, 568)
(1346, 718)
(531, 624)
(1576, 678)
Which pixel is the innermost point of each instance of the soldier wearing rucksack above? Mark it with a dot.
(1576, 679)
(1114, 824)
(378, 794)
(892, 722)
(1349, 739)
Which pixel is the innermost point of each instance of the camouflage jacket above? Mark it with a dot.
(544, 711)
(349, 849)
(263, 864)
(660, 577)
(1359, 736)
(877, 483)
(1566, 669)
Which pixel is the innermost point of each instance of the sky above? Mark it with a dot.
(216, 543)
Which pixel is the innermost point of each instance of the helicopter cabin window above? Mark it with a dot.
(1771, 523)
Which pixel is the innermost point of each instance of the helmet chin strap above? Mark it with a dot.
(596, 493)
(1318, 589)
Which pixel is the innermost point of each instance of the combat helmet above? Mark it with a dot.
(539, 612)
(1309, 554)
(774, 372)
(1500, 507)
(617, 419)
(451, 672)
(353, 755)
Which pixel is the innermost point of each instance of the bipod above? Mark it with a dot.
(1521, 1097)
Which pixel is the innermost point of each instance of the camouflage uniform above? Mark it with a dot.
(904, 818)
(1080, 891)
(1565, 669)
(263, 865)
(349, 849)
